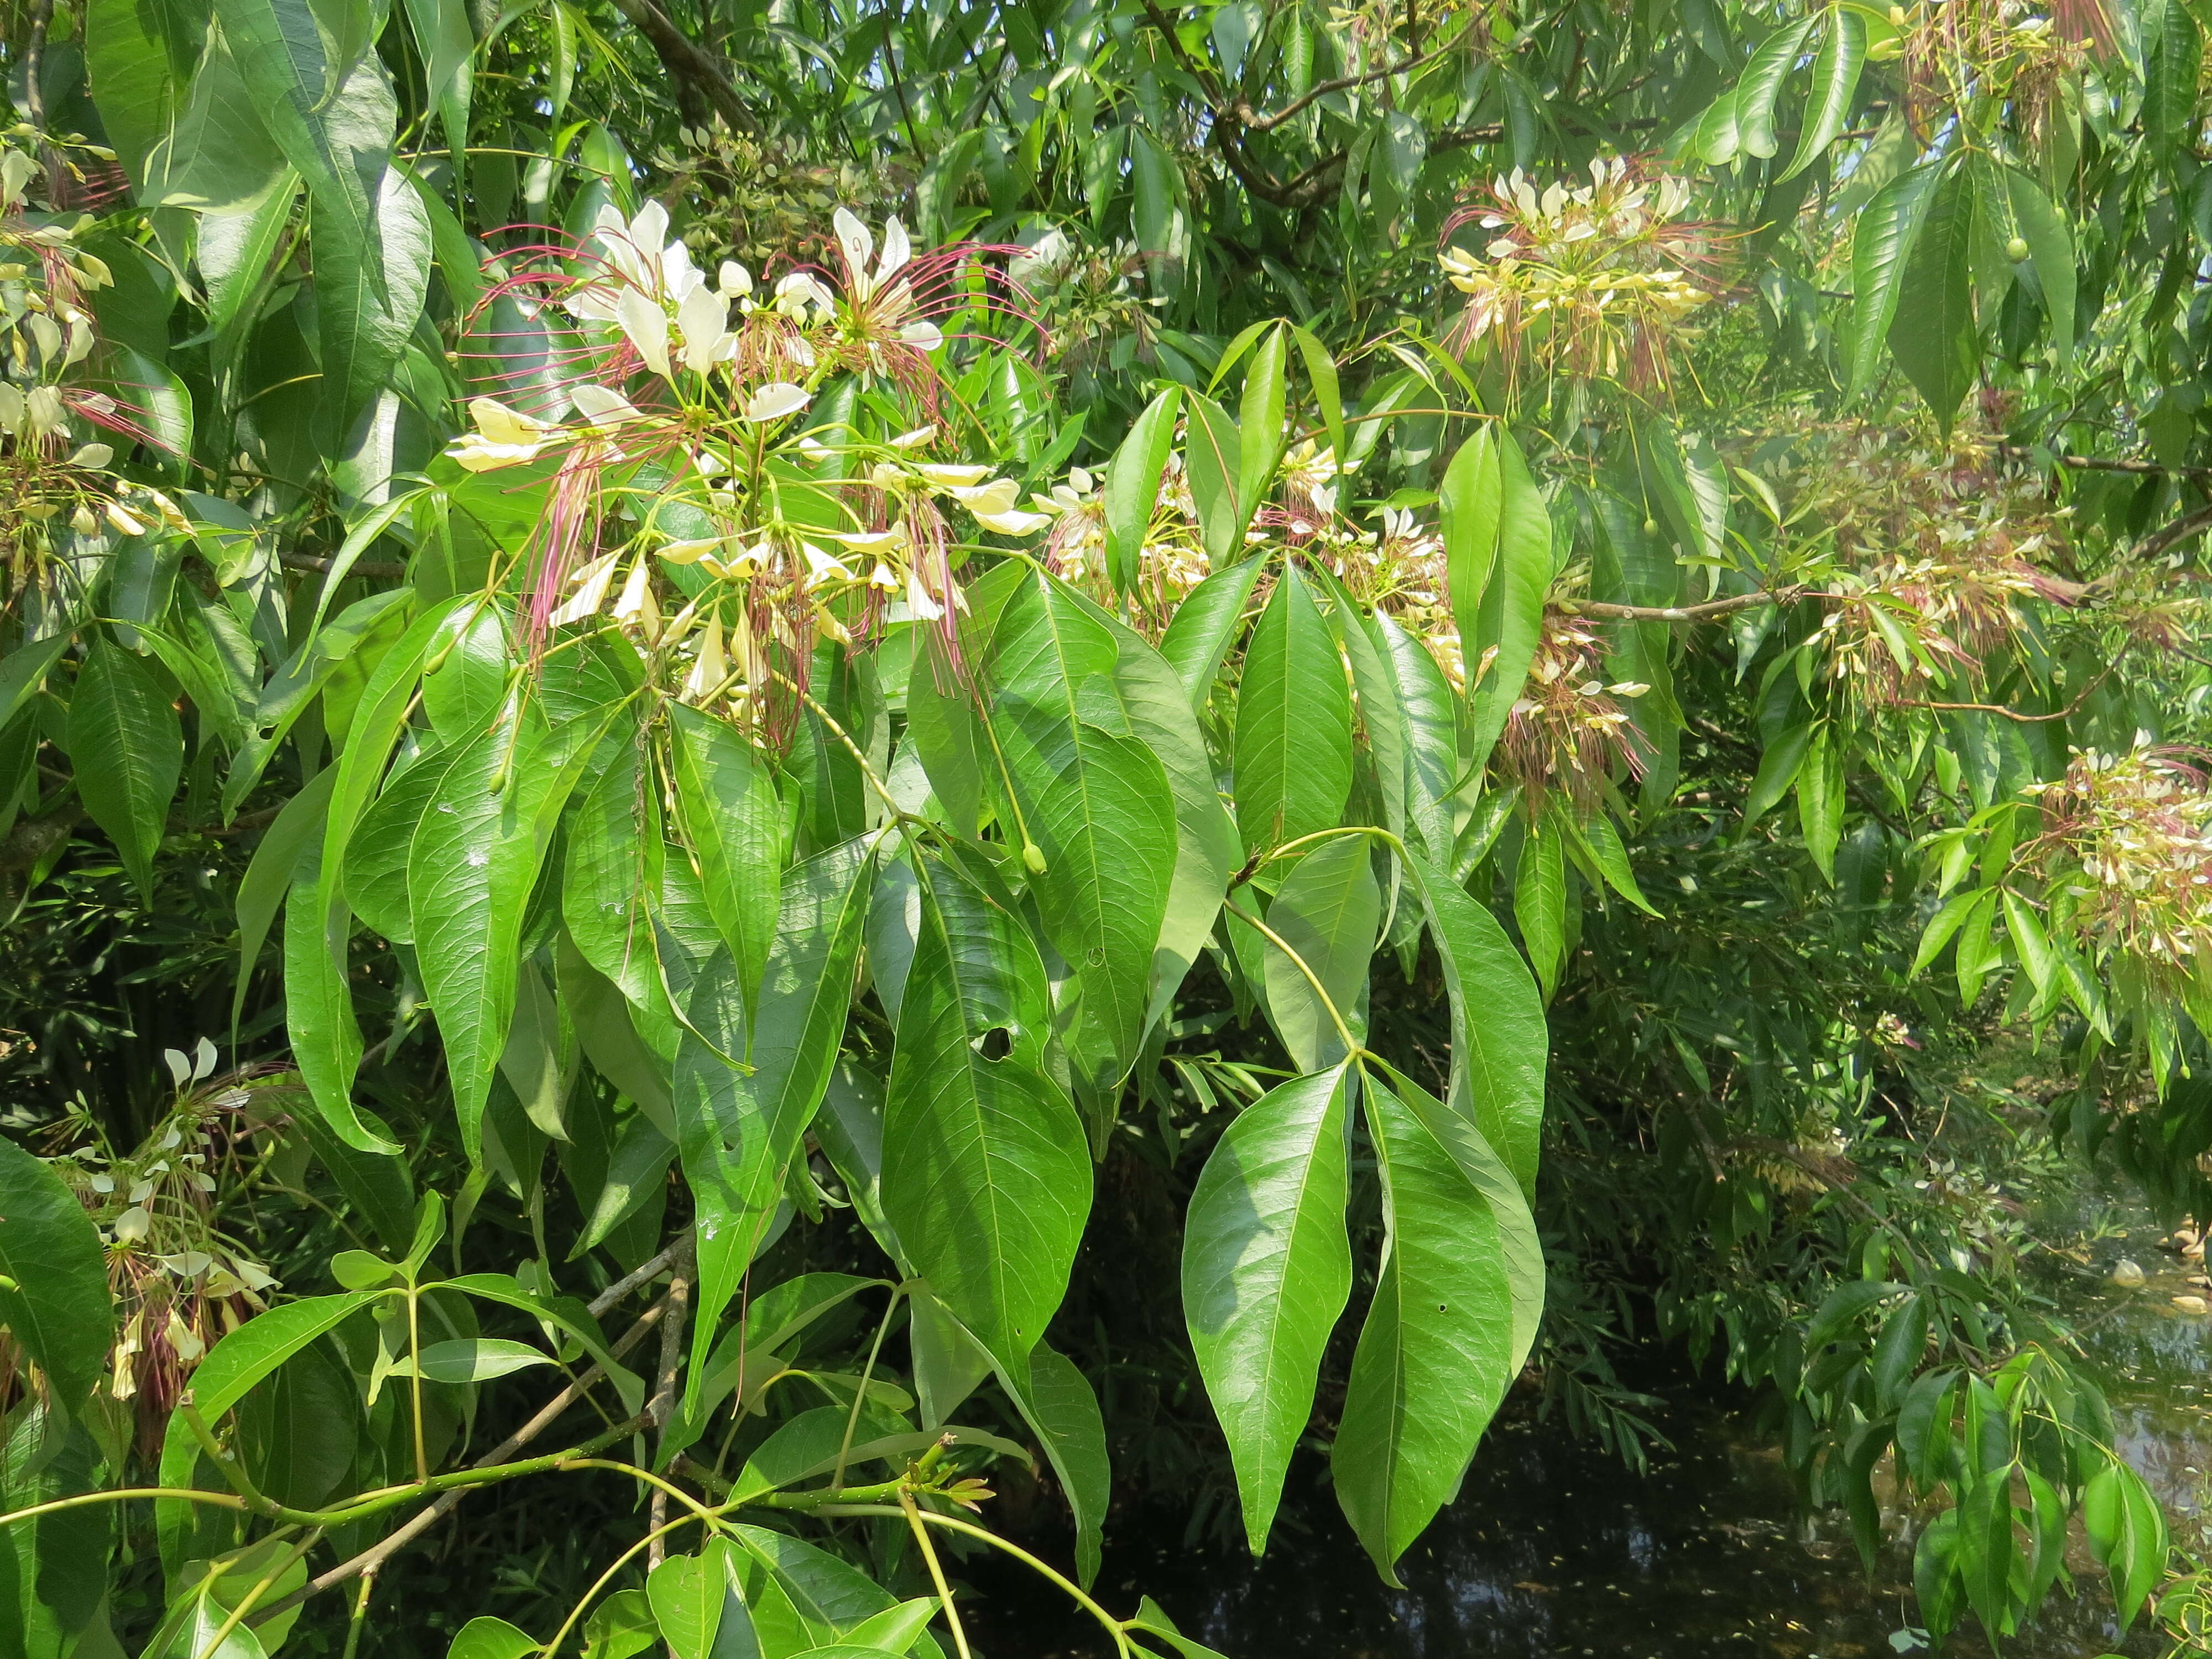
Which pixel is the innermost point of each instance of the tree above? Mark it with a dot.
(724, 650)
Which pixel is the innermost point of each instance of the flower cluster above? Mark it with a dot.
(1567, 732)
(1931, 552)
(180, 1282)
(1589, 281)
(679, 441)
(2131, 836)
(55, 473)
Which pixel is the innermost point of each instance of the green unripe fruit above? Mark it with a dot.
(1033, 857)
(2016, 249)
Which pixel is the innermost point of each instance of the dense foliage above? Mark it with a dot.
(745, 750)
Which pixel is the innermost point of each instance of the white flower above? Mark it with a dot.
(591, 584)
(822, 567)
(853, 236)
(503, 437)
(997, 497)
(93, 457)
(882, 577)
(709, 668)
(688, 552)
(189, 1347)
(868, 541)
(920, 601)
(915, 439)
(646, 324)
(601, 407)
(775, 400)
(802, 298)
(921, 334)
(734, 282)
(706, 341)
(939, 476)
(635, 606)
(133, 1225)
(1013, 522)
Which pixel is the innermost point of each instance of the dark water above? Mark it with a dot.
(1555, 1549)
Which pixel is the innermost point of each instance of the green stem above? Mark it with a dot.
(252, 1597)
(859, 1394)
(1352, 1048)
(1113, 1625)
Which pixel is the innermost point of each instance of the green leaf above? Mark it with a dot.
(1821, 797)
(1835, 80)
(1883, 244)
(58, 1308)
(1260, 420)
(687, 1593)
(740, 1127)
(472, 1359)
(1327, 910)
(1431, 716)
(232, 1366)
(1060, 1405)
(1498, 556)
(2173, 53)
(613, 878)
(24, 670)
(470, 869)
(1321, 375)
(138, 57)
(126, 746)
(446, 46)
(1265, 1273)
(1211, 450)
(318, 1017)
(986, 1174)
(1540, 902)
(1499, 1042)
(1095, 806)
(726, 806)
(1293, 724)
(376, 857)
(467, 673)
(1761, 82)
(2051, 250)
(298, 828)
(1132, 484)
(1153, 1620)
(1934, 339)
(619, 1626)
(1205, 626)
(486, 1638)
(2127, 1534)
(1438, 1348)
(1778, 766)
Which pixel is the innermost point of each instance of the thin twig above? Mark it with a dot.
(662, 1408)
(369, 1560)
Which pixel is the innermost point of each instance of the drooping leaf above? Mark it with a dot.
(1835, 78)
(127, 747)
(1882, 243)
(739, 1125)
(1293, 724)
(1094, 805)
(986, 1174)
(1500, 1041)
(470, 867)
(1933, 337)
(1436, 1353)
(1327, 911)
(55, 1306)
(1132, 484)
(727, 805)
(1265, 1273)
